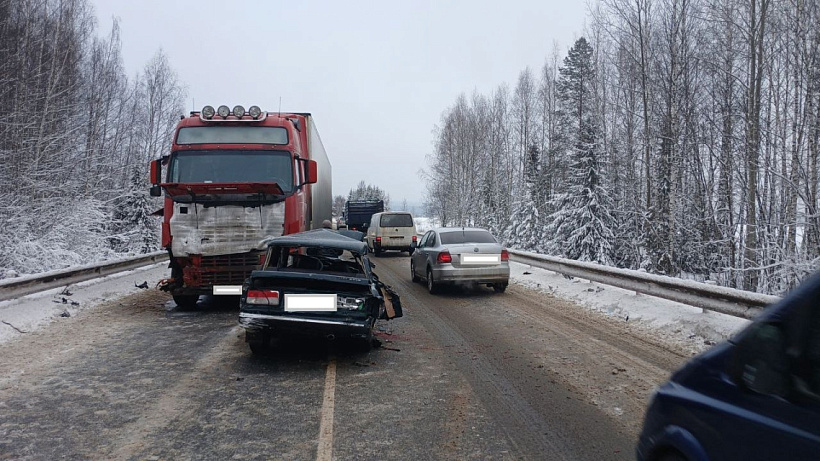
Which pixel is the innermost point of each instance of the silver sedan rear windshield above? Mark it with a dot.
(467, 236)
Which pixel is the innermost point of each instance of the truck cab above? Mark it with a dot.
(234, 178)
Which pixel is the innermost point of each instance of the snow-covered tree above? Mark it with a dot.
(526, 223)
(133, 226)
(365, 191)
(582, 225)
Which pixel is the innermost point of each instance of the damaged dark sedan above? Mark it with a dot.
(314, 283)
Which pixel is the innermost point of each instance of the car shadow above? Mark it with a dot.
(390, 254)
(206, 305)
(465, 291)
(298, 350)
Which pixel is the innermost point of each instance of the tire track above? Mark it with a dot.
(541, 417)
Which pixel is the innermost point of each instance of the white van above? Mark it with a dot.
(391, 230)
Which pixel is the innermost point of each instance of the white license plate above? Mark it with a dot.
(310, 303)
(480, 259)
(227, 290)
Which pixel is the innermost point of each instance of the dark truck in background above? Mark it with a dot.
(357, 213)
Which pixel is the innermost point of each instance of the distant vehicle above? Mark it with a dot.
(391, 230)
(314, 283)
(357, 213)
(754, 397)
(235, 178)
(460, 255)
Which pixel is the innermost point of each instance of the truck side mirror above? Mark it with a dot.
(156, 191)
(311, 172)
(156, 172)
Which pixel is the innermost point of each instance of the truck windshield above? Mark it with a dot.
(232, 166)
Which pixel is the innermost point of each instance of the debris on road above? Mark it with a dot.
(18, 330)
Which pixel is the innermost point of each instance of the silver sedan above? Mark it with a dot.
(460, 255)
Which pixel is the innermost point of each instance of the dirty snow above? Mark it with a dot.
(36, 310)
(690, 328)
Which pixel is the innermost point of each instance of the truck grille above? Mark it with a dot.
(228, 269)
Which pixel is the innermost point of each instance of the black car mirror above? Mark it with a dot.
(761, 362)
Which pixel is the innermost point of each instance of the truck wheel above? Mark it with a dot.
(186, 302)
(410, 251)
(377, 250)
(499, 287)
(432, 286)
(415, 278)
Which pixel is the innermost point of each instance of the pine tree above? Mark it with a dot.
(134, 228)
(526, 225)
(582, 224)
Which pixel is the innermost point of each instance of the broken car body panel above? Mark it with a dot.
(315, 283)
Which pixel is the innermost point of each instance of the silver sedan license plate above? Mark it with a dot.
(480, 259)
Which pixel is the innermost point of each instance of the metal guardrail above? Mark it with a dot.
(729, 301)
(21, 286)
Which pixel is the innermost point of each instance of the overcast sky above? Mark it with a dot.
(375, 75)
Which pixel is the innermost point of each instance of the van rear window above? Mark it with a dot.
(396, 220)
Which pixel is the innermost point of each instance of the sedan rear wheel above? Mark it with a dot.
(432, 286)
(259, 343)
(413, 276)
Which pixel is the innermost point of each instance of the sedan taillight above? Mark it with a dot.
(505, 255)
(444, 257)
(263, 297)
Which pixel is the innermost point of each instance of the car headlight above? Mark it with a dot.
(349, 303)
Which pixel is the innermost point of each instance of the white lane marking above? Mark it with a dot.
(325, 450)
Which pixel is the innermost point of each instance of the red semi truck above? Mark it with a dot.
(234, 178)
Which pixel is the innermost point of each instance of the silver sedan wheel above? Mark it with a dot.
(432, 287)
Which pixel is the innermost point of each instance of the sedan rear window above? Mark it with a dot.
(468, 236)
(396, 220)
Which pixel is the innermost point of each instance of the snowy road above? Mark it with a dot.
(464, 375)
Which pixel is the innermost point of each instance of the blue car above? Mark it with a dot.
(754, 397)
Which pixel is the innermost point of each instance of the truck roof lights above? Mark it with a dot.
(208, 112)
(238, 111)
(255, 112)
(223, 111)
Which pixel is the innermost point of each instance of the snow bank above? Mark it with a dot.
(33, 311)
(692, 328)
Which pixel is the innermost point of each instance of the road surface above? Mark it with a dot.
(466, 374)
